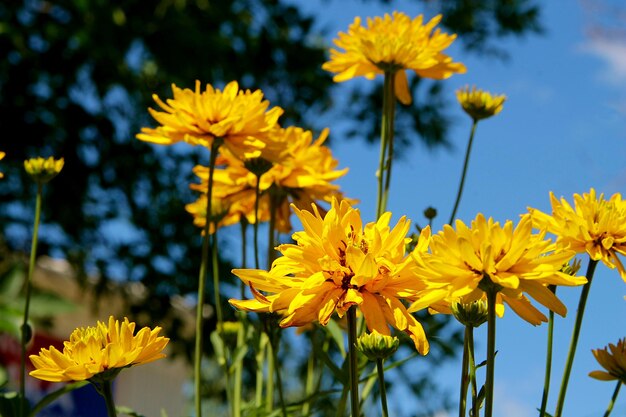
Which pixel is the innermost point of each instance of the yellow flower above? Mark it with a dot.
(337, 263)
(614, 362)
(43, 170)
(239, 117)
(479, 104)
(377, 346)
(594, 225)
(2, 154)
(394, 44)
(463, 262)
(302, 173)
(92, 351)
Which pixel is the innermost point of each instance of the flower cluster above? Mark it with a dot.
(393, 44)
(302, 172)
(465, 263)
(94, 351)
(337, 263)
(594, 225)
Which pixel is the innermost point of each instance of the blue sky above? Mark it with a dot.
(563, 129)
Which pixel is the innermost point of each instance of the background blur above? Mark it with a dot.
(77, 77)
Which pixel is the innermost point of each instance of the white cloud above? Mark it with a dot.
(613, 53)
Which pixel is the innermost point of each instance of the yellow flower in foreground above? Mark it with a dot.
(479, 104)
(594, 225)
(303, 174)
(2, 154)
(614, 362)
(393, 44)
(337, 263)
(43, 170)
(94, 350)
(465, 261)
(239, 117)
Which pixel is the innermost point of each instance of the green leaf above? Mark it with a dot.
(337, 334)
(128, 411)
(218, 347)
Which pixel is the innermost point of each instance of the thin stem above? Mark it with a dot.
(491, 350)
(237, 389)
(465, 165)
(257, 197)
(244, 244)
(269, 393)
(609, 408)
(260, 359)
(26, 331)
(546, 381)
(279, 384)
(464, 373)
(107, 393)
(472, 371)
(202, 284)
(310, 377)
(354, 371)
(381, 382)
(386, 143)
(591, 267)
(271, 252)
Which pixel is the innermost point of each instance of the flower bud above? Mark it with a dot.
(43, 170)
(377, 346)
(479, 104)
(471, 314)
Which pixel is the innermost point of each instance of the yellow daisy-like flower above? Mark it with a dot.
(393, 44)
(91, 351)
(2, 154)
(303, 172)
(239, 117)
(614, 362)
(43, 170)
(337, 263)
(594, 225)
(463, 262)
(479, 104)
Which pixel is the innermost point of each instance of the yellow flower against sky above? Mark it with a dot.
(91, 351)
(594, 225)
(613, 359)
(43, 170)
(479, 104)
(240, 117)
(336, 263)
(393, 43)
(303, 174)
(462, 262)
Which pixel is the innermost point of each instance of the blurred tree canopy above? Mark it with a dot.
(76, 78)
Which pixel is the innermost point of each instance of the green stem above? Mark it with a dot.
(310, 377)
(239, 369)
(271, 252)
(386, 143)
(260, 360)
(274, 341)
(465, 165)
(464, 373)
(244, 244)
(613, 398)
(472, 371)
(591, 267)
(381, 382)
(257, 197)
(202, 284)
(269, 393)
(546, 381)
(26, 332)
(354, 371)
(107, 393)
(491, 350)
